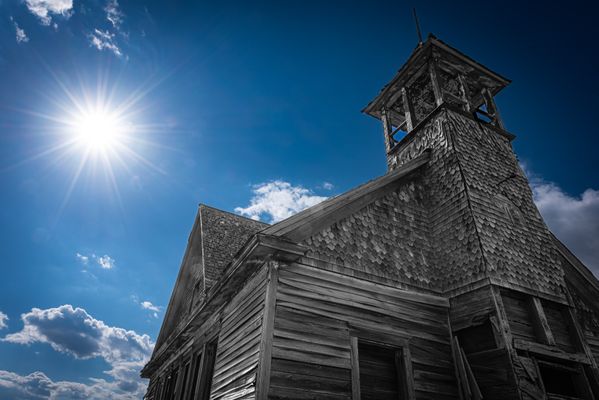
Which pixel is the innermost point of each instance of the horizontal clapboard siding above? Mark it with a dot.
(239, 342)
(316, 313)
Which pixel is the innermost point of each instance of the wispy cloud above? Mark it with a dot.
(82, 259)
(44, 9)
(328, 186)
(278, 200)
(104, 40)
(20, 34)
(73, 331)
(573, 219)
(114, 14)
(146, 305)
(3, 319)
(105, 261)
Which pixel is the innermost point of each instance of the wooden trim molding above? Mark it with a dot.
(268, 323)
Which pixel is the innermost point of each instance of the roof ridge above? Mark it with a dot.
(232, 213)
(293, 227)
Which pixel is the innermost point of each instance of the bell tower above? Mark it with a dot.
(436, 75)
(494, 257)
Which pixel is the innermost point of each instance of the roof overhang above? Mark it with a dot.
(418, 59)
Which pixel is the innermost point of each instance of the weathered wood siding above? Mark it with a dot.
(491, 365)
(318, 311)
(239, 342)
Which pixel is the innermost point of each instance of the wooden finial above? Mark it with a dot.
(417, 26)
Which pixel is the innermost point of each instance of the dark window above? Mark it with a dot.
(169, 385)
(196, 362)
(202, 373)
(477, 338)
(380, 372)
(184, 381)
(563, 380)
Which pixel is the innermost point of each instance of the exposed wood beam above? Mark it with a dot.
(550, 351)
(540, 321)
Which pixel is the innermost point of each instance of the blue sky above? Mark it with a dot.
(251, 107)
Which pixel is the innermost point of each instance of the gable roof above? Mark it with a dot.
(304, 224)
(215, 238)
(278, 241)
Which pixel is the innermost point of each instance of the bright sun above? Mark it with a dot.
(98, 130)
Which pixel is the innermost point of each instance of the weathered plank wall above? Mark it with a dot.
(316, 313)
(239, 342)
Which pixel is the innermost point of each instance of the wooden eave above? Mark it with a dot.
(306, 223)
(259, 248)
(414, 63)
(196, 225)
(583, 279)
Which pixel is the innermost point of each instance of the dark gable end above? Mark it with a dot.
(215, 238)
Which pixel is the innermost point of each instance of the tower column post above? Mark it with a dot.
(387, 130)
(408, 109)
(432, 70)
(492, 108)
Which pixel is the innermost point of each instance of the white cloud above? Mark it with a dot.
(105, 261)
(278, 200)
(105, 40)
(43, 9)
(328, 186)
(73, 331)
(114, 14)
(20, 34)
(573, 219)
(146, 305)
(3, 319)
(37, 386)
(82, 259)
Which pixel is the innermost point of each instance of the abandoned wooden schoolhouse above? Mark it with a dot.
(437, 280)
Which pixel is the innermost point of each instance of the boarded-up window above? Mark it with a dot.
(380, 372)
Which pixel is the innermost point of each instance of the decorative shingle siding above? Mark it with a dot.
(224, 234)
(215, 238)
(518, 248)
(433, 233)
(388, 238)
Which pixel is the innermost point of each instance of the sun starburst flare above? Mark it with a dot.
(89, 130)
